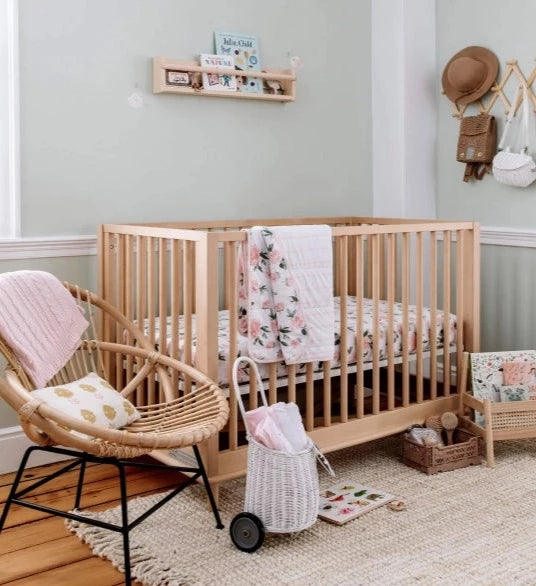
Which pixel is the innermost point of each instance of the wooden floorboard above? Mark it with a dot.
(38, 550)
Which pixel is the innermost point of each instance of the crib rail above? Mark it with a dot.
(177, 278)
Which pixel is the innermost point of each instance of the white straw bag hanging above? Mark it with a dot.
(281, 488)
(517, 169)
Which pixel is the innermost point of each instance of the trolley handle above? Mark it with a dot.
(237, 388)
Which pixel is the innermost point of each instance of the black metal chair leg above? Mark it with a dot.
(80, 484)
(219, 524)
(15, 484)
(124, 522)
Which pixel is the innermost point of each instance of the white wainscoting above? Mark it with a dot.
(13, 444)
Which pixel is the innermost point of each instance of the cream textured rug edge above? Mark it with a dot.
(474, 526)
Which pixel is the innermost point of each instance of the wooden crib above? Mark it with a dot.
(178, 280)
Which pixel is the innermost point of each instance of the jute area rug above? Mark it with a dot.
(469, 526)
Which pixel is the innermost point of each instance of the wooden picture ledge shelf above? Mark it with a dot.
(161, 65)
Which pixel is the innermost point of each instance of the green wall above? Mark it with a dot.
(503, 27)
(88, 157)
(508, 282)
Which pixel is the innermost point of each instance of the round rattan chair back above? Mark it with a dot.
(179, 405)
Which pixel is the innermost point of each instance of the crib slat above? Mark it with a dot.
(129, 301)
(292, 383)
(343, 264)
(327, 392)
(309, 397)
(253, 391)
(162, 303)
(162, 291)
(419, 316)
(376, 324)
(360, 392)
(447, 243)
(460, 309)
(272, 391)
(141, 297)
(120, 304)
(176, 287)
(109, 291)
(433, 315)
(405, 319)
(189, 296)
(229, 258)
(391, 286)
(151, 313)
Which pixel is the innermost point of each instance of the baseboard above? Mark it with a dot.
(13, 444)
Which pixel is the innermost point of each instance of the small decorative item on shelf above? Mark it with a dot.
(273, 86)
(197, 80)
(180, 78)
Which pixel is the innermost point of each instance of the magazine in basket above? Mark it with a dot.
(347, 500)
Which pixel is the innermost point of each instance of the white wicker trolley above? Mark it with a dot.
(282, 492)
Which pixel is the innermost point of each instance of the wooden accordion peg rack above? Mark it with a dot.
(497, 91)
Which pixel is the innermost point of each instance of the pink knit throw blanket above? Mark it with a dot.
(40, 321)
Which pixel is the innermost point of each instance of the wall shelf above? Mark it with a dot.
(161, 65)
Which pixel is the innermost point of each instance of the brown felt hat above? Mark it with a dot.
(469, 74)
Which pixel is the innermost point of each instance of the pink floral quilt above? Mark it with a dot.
(285, 293)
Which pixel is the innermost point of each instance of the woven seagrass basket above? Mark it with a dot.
(465, 451)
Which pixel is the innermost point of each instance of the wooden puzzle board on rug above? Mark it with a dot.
(348, 500)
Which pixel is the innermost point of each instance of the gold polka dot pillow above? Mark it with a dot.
(90, 399)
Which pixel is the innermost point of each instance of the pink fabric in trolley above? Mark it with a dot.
(40, 321)
(278, 427)
(285, 293)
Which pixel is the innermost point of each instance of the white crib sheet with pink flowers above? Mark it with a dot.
(242, 342)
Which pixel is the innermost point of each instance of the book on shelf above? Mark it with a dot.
(245, 51)
(347, 500)
(224, 82)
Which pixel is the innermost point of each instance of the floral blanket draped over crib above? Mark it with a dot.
(285, 293)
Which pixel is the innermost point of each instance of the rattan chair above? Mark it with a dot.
(179, 406)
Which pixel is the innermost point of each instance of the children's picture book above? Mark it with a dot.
(224, 82)
(347, 500)
(487, 374)
(245, 51)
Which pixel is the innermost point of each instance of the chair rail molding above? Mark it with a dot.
(498, 236)
(48, 247)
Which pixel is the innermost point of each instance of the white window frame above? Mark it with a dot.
(10, 224)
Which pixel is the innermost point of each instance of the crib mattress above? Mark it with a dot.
(350, 349)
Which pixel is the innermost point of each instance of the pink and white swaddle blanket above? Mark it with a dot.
(285, 293)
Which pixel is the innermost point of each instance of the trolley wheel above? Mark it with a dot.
(247, 532)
